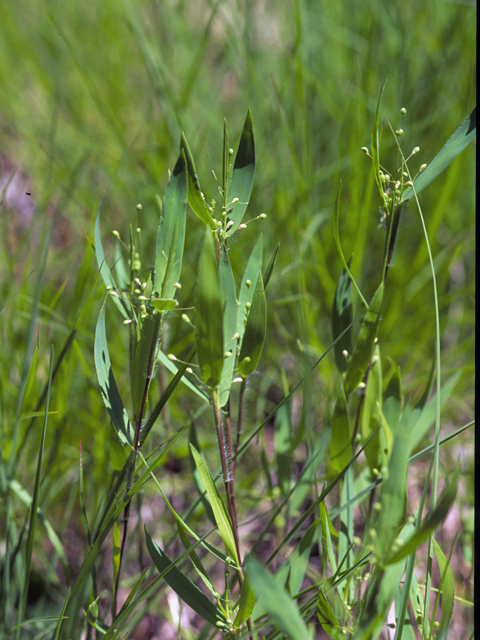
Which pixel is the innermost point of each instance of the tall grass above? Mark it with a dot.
(94, 100)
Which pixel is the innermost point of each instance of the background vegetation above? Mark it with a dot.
(94, 97)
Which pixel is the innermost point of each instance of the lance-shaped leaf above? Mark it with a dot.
(227, 286)
(342, 315)
(248, 285)
(452, 148)
(366, 338)
(243, 173)
(209, 315)
(105, 272)
(108, 386)
(186, 590)
(195, 199)
(222, 518)
(171, 232)
(245, 604)
(255, 332)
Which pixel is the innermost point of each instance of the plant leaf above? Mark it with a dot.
(108, 386)
(183, 587)
(105, 272)
(430, 523)
(227, 286)
(254, 265)
(276, 601)
(195, 199)
(243, 175)
(340, 438)
(171, 232)
(452, 148)
(370, 416)
(209, 315)
(246, 603)
(447, 588)
(221, 515)
(255, 331)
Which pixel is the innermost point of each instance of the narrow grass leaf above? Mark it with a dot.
(221, 515)
(276, 601)
(197, 563)
(255, 331)
(171, 232)
(243, 174)
(447, 589)
(227, 286)
(202, 492)
(342, 316)
(174, 369)
(195, 198)
(375, 139)
(108, 386)
(366, 338)
(185, 588)
(209, 315)
(269, 270)
(327, 531)
(452, 148)
(105, 272)
(340, 437)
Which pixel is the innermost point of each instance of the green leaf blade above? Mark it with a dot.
(243, 175)
(183, 587)
(452, 148)
(255, 332)
(108, 385)
(171, 232)
(209, 315)
(221, 515)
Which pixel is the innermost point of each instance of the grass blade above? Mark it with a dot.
(452, 148)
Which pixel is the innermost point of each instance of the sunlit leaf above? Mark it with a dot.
(243, 173)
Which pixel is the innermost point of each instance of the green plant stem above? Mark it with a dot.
(225, 457)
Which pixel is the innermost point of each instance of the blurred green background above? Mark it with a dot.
(93, 99)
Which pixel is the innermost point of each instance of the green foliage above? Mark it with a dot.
(287, 446)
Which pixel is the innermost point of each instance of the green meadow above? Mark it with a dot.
(237, 264)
